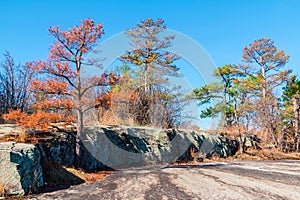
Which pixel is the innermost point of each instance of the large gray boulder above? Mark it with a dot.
(20, 168)
(120, 147)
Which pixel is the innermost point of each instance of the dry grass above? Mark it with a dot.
(111, 118)
(108, 118)
(2, 191)
(255, 154)
(22, 137)
(274, 154)
(88, 177)
(15, 136)
(130, 122)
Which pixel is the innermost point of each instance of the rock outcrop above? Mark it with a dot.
(59, 149)
(20, 169)
(122, 147)
(115, 147)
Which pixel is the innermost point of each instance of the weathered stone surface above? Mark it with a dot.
(235, 180)
(251, 141)
(59, 149)
(6, 129)
(123, 147)
(20, 169)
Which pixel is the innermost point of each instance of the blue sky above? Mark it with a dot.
(223, 28)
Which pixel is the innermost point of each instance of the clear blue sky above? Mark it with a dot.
(223, 28)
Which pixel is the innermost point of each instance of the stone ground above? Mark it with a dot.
(236, 180)
(6, 129)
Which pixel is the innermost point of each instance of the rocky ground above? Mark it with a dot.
(6, 129)
(235, 180)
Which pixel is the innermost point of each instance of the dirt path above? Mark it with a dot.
(238, 180)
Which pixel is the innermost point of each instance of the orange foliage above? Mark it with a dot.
(63, 90)
(52, 86)
(104, 101)
(39, 120)
(52, 104)
(80, 38)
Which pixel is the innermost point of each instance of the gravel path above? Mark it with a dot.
(237, 180)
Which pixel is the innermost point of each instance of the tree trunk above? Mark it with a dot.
(78, 144)
(146, 79)
(242, 142)
(273, 133)
(296, 123)
(263, 73)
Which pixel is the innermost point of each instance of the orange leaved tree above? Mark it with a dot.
(62, 87)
